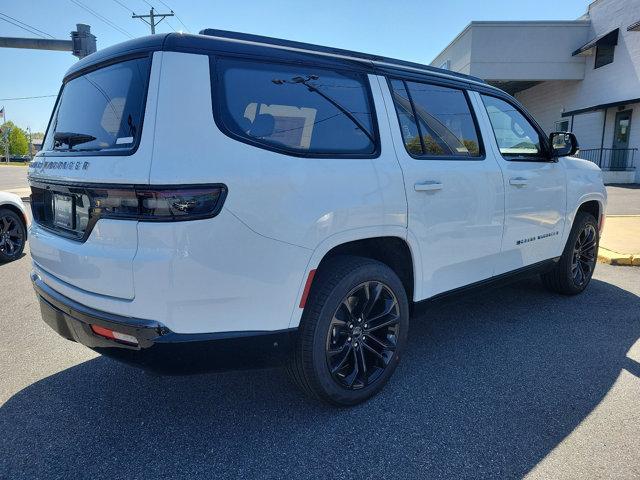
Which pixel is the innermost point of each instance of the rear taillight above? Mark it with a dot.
(72, 210)
(157, 204)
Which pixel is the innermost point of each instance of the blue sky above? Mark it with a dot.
(407, 29)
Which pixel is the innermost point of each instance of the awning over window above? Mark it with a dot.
(634, 27)
(602, 106)
(607, 39)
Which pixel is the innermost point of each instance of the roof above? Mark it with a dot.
(513, 23)
(221, 41)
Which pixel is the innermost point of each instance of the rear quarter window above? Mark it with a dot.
(299, 110)
(100, 111)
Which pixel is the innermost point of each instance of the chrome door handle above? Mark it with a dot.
(518, 181)
(429, 186)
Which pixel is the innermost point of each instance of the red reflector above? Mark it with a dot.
(307, 287)
(103, 332)
(603, 217)
(113, 335)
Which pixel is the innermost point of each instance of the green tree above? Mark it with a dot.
(18, 141)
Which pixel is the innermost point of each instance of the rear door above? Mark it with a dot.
(535, 185)
(454, 192)
(99, 141)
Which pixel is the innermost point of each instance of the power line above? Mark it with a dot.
(23, 28)
(26, 98)
(123, 6)
(185, 27)
(101, 17)
(170, 26)
(26, 25)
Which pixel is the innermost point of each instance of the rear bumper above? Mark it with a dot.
(159, 349)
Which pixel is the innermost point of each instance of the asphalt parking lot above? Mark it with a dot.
(501, 384)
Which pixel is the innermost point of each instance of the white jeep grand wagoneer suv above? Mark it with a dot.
(229, 200)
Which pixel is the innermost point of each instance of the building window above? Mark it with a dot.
(604, 55)
(562, 126)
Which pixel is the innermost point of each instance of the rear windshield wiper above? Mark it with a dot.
(70, 139)
(312, 88)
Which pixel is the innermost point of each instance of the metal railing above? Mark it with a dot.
(615, 159)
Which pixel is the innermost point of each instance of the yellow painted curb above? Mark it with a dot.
(615, 258)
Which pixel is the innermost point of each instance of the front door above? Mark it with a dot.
(535, 187)
(454, 193)
(620, 146)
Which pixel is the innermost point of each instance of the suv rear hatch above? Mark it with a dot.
(95, 151)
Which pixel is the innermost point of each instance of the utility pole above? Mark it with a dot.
(30, 144)
(5, 135)
(152, 18)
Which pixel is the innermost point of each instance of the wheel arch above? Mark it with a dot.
(391, 247)
(592, 205)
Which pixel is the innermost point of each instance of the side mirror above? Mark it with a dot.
(563, 144)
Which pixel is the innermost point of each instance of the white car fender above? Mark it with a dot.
(349, 236)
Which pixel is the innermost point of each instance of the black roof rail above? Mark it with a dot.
(212, 32)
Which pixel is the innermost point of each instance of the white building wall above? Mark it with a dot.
(619, 80)
(541, 51)
(528, 50)
(548, 100)
(457, 53)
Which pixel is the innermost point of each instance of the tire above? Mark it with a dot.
(13, 235)
(337, 301)
(573, 272)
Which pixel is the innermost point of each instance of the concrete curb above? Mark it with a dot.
(614, 258)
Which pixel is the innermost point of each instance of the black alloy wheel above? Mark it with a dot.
(353, 331)
(363, 335)
(12, 235)
(573, 271)
(584, 255)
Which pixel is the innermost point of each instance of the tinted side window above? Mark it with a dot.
(302, 109)
(445, 127)
(101, 110)
(408, 126)
(515, 135)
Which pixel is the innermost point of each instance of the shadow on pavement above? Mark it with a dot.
(491, 383)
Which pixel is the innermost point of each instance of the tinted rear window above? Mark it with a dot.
(101, 110)
(296, 109)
